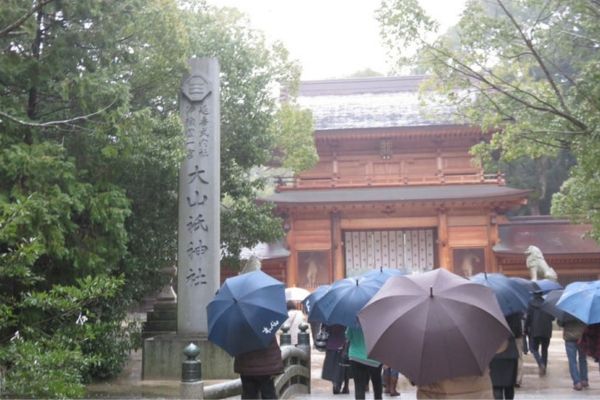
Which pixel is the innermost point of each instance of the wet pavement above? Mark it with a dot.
(555, 385)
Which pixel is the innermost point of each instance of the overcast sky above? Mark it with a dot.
(331, 38)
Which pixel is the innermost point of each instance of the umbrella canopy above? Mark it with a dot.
(526, 283)
(582, 300)
(296, 294)
(246, 312)
(433, 326)
(381, 275)
(546, 285)
(344, 299)
(512, 297)
(549, 306)
(311, 304)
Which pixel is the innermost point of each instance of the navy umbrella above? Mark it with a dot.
(381, 275)
(311, 304)
(546, 285)
(246, 312)
(512, 296)
(345, 298)
(549, 306)
(582, 300)
(527, 283)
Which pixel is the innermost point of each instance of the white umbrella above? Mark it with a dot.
(296, 294)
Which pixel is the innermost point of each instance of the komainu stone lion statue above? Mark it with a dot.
(538, 267)
(252, 264)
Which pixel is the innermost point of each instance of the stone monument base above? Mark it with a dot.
(162, 356)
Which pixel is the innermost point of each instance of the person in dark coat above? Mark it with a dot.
(538, 326)
(504, 365)
(257, 369)
(333, 368)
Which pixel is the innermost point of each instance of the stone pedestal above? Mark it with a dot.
(161, 320)
(163, 317)
(163, 355)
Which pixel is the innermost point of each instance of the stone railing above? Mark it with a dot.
(295, 378)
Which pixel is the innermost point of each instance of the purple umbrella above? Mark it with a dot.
(433, 326)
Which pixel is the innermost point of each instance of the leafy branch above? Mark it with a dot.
(57, 122)
(20, 21)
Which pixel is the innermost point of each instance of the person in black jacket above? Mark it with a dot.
(257, 369)
(538, 326)
(504, 365)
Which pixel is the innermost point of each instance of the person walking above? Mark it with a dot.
(363, 368)
(333, 370)
(295, 318)
(504, 365)
(590, 341)
(572, 332)
(523, 349)
(390, 380)
(257, 369)
(538, 326)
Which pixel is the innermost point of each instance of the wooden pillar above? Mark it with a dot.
(337, 249)
(443, 248)
(493, 238)
(292, 264)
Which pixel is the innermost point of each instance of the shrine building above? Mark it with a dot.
(396, 187)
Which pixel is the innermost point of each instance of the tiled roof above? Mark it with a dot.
(372, 103)
(549, 235)
(265, 251)
(395, 194)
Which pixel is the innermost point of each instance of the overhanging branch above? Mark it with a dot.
(6, 31)
(54, 123)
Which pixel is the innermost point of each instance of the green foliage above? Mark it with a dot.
(90, 147)
(524, 70)
(43, 368)
(297, 150)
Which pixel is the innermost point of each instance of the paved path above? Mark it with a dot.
(555, 385)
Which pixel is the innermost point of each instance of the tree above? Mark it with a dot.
(523, 69)
(90, 146)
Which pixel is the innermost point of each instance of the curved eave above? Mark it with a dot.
(404, 132)
(457, 195)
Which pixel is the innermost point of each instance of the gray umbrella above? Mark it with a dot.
(433, 326)
(549, 306)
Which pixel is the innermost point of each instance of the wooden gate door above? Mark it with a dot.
(409, 250)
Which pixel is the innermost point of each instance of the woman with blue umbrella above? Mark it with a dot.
(340, 305)
(243, 318)
(345, 298)
(582, 300)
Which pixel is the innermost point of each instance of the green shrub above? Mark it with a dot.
(42, 369)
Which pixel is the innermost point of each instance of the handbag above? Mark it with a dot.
(344, 358)
(321, 340)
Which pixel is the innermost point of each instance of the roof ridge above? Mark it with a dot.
(378, 84)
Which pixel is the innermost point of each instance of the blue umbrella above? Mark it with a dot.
(582, 300)
(527, 283)
(512, 296)
(246, 312)
(311, 304)
(381, 275)
(546, 285)
(549, 306)
(345, 298)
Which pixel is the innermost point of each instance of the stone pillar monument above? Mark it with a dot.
(199, 197)
(198, 255)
